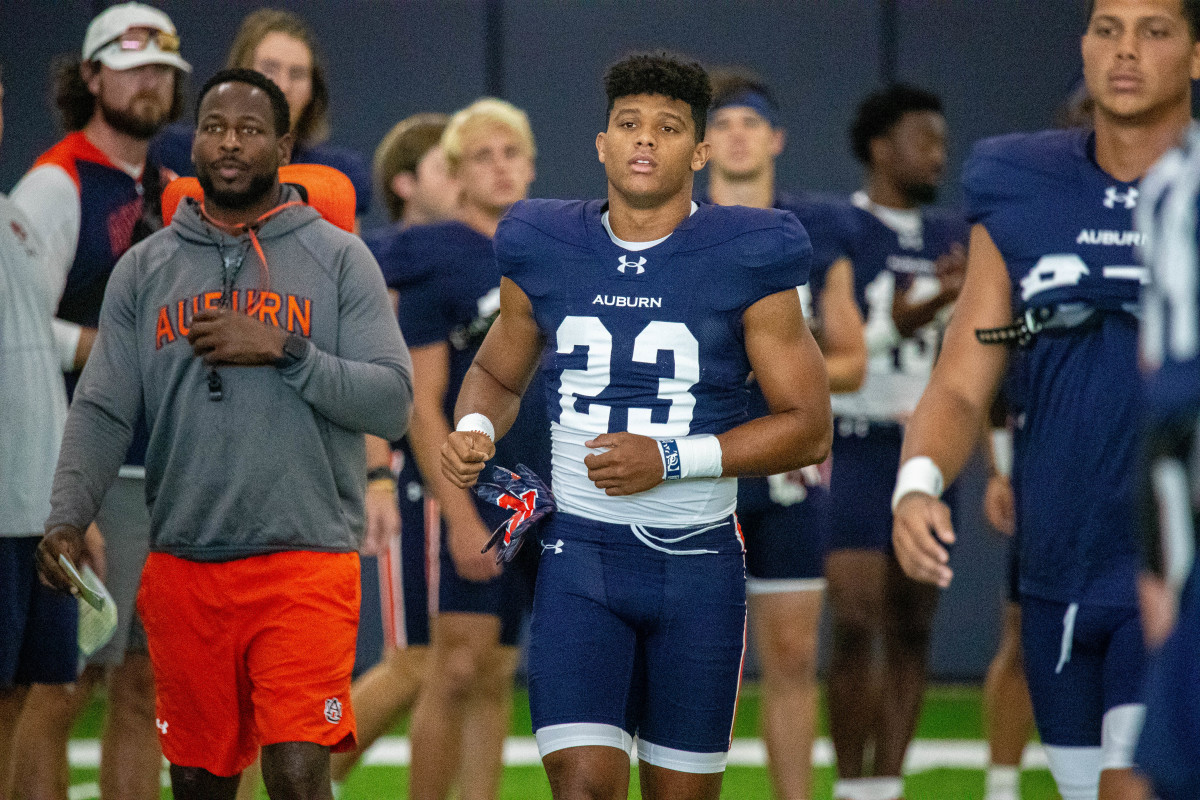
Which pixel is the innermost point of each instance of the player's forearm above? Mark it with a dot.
(482, 393)
(379, 452)
(779, 442)
(909, 318)
(945, 427)
(846, 370)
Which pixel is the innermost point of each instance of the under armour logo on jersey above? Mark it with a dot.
(161, 724)
(333, 711)
(1112, 196)
(1052, 272)
(554, 547)
(639, 265)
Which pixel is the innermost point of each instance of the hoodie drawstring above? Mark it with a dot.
(230, 271)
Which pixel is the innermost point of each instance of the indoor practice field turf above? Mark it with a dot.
(946, 763)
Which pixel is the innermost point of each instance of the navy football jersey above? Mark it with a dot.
(1065, 230)
(830, 226)
(449, 287)
(649, 342)
(895, 252)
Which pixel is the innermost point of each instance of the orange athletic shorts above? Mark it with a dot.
(250, 652)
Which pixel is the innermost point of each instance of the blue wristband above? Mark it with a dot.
(672, 464)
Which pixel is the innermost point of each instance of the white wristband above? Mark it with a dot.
(918, 474)
(1002, 451)
(477, 422)
(695, 457)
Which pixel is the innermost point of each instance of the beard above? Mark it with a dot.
(921, 194)
(140, 126)
(260, 186)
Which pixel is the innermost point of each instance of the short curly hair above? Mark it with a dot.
(880, 111)
(279, 103)
(665, 74)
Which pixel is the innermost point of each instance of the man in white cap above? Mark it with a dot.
(88, 199)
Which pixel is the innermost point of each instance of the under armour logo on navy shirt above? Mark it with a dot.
(1112, 196)
(639, 265)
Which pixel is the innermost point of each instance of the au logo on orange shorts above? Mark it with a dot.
(333, 710)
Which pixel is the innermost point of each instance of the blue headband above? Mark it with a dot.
(754, 100)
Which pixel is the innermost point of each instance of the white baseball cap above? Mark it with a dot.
(101, 43)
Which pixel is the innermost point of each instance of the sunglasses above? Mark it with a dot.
(137, 39)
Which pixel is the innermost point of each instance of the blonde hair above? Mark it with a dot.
(485, 111)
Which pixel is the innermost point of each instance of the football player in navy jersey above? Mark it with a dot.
(1053, 248)
(908, 263)
(653, 310)
(449, 287)
(784, 518)
(411, 171)
(1169, 747)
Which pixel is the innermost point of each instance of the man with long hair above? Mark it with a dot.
(89, 198)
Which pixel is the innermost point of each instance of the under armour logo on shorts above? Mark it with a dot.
(161, 724)
(333, 711)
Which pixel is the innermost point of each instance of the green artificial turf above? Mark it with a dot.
(950, 712)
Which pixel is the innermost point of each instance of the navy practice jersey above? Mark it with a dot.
(895, 252)
(1171, 302)
(649, 342)
(830, 225)
(449, 287)
(1065, 230)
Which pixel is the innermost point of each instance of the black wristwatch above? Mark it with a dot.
(295, 348)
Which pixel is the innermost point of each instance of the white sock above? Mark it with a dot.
(338, 787)
(1003, 783)
(868, 789)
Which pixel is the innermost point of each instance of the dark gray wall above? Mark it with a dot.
(1000, 66)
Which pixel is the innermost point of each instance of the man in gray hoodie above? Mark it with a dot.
(259, 341)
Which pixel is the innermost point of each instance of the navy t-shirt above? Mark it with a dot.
(1065, 230)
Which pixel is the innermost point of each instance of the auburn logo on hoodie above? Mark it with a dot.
(291, 312)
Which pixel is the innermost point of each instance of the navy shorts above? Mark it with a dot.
(1169, 748)
(1080, 665)
(866, 458)
(38, 643)
(785, 543)
(509, 596)
(630, 637)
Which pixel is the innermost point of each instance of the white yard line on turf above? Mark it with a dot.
(521, 751)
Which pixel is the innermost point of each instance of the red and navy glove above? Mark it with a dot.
(525, 494)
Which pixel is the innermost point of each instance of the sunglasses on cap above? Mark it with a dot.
(137, 39)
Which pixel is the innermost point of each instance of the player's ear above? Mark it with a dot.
(284, 146)
(600, 146)
(1195, 65)
(700, 155)
(778, 140)
(404, 184)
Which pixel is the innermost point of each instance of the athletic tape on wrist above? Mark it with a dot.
(918, 474)
(1002, 451)
(691, 457)
(477, 422)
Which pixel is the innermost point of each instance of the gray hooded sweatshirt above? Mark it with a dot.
(278, 463)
